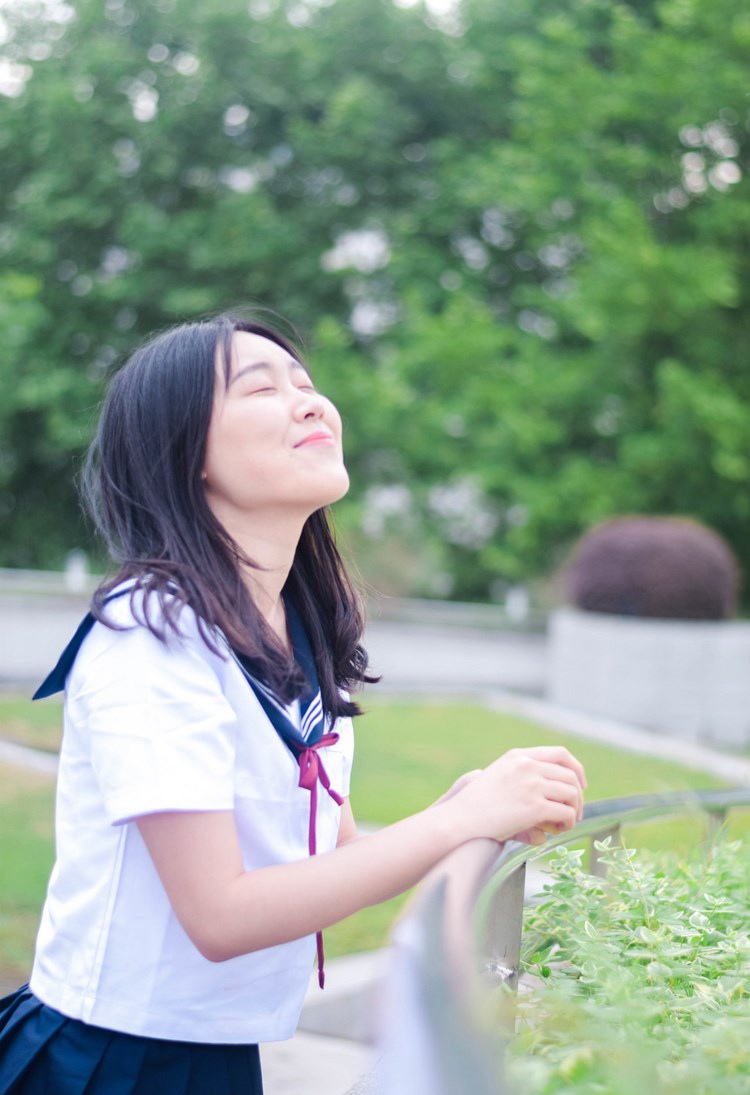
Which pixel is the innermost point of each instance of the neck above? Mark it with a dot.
(271, 546)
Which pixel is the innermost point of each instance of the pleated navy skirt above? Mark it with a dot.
(44, 1053)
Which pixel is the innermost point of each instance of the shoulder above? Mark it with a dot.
(129, 605)
(143, 637)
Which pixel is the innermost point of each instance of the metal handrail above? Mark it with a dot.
(499, 908)
(462, 932)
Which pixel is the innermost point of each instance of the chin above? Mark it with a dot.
(340, 493)
(337, 490)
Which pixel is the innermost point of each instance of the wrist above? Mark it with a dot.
(448, 819)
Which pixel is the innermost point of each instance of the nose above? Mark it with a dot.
(311, 405)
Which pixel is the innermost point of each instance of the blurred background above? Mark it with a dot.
(514, 238)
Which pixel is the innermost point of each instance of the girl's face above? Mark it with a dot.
(274, 442)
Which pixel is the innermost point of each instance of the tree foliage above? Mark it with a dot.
(515, 237)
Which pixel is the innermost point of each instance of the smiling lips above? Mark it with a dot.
(318, 438)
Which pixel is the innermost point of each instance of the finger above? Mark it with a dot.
(559, 790)
(552, 817)
(558, 754)
(557, 817)
(550, 770)
(560, 793)
(568, 789)
(535, 835)
(556, 827)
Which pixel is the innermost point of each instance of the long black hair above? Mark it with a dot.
(142, 485)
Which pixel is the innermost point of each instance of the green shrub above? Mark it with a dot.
(664, 567)
(639, 983)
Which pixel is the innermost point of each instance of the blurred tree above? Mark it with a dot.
(162, 160)
(516, 235)
(590, 358)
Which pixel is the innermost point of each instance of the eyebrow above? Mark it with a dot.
(255, 366)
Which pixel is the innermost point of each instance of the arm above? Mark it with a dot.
(227, 911)
(347, 825)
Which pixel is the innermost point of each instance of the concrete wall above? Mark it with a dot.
(33, 634)
(421, 646)
(688, 679)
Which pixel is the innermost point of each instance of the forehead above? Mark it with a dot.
(252, 349)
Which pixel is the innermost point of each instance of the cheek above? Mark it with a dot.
(240, 434)
(226, 450)
(334, 419)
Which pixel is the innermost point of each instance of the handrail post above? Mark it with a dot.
(715, 819)
(503, 927)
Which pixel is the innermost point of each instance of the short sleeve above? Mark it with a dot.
(159, 730)
(343, 752)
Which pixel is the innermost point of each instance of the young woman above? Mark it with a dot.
(204, 833)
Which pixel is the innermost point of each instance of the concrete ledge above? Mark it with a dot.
(33, 633)
(459, 614)
(689, 679)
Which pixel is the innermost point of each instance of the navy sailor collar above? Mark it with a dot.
(312, 719)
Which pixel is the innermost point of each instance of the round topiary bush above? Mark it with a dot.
(664, 567)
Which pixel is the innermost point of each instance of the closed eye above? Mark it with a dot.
(258, 391)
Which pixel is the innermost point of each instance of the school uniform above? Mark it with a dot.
(153, 726)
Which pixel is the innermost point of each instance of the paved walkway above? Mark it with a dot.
(34, 759)
(310, 1064)
(334, 1044)
(727, 766)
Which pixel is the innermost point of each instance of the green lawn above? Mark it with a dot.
(407, 754)
(26, 855)
(36, 724)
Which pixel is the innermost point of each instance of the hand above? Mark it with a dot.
(461, 782)
(537, 836)
(524, 794)
(530, 836)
